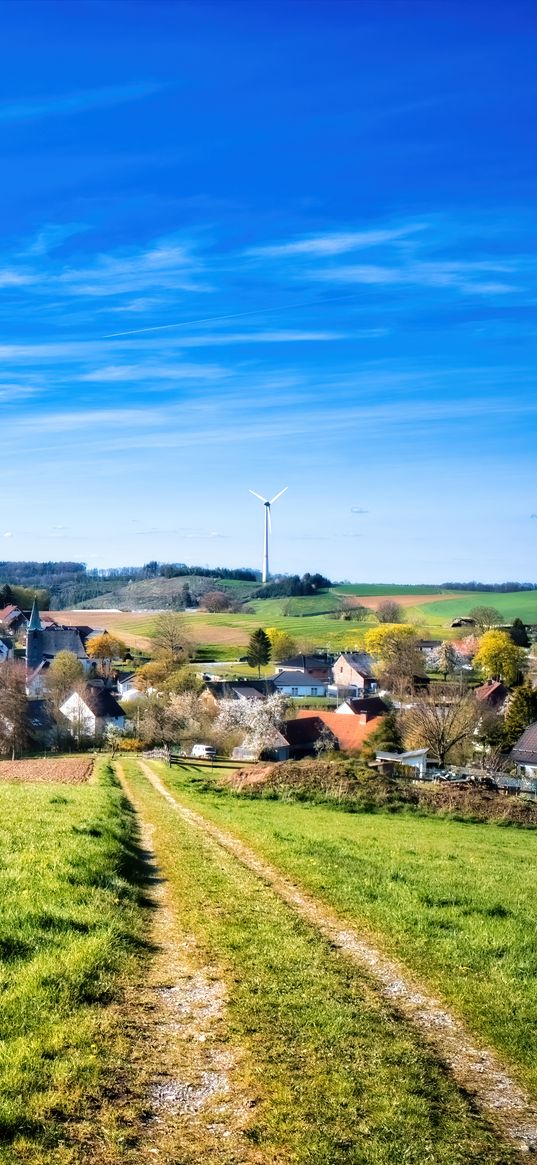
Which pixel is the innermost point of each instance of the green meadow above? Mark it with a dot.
(454, 901)
(70, 927)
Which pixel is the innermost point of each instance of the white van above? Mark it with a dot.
(203, 751)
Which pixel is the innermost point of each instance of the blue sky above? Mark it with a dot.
(249, 245)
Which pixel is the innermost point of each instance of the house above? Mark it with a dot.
(466, 621)
(125, 684)
(13, 618)
(368, 706)
(492, 694)
(239, 689)
(92, 711)
(347, 732)
(274, 748)
(353, 672)
(6, 648)
(298, 683)
(317, 665)
(524, 753)
(414, 759)
(426, 645)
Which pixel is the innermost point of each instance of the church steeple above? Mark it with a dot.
(34, 639)
(35, 623)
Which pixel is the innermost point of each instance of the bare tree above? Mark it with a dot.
(170, 637)
(389, 612)
(14, 727)
(486, 617)
(441, 723)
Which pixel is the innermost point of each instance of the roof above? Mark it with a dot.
(35, 623)
(349, 731)
(296, 679)
(304, 730)
(227, 689)
(57, 639)
(9, 610)
(525, 750)
(359, 660)
(492, 692)
(307, 662)
(371, 705)
(102, 703)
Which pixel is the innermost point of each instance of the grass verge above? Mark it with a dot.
(71, 926)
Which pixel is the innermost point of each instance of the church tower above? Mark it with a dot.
(34, 639)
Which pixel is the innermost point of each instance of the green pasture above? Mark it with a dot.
(69, 927)
(511, 605)
(337, 1078)
(454, 901)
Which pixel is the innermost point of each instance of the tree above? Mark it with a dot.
(386, 737)
(518, 633)
(445, 658)
(485, 617)
(389, 612)
(396, 648)
(215, 601)
(14, 728)
(281, 644)
(105, 648)
(63, 675)
(258, 721)
(259, 649)
(441, 724)
(521, 711)
(498, 657)
(170, 638)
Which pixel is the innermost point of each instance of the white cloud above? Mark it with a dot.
(336, 243)
(65, 104)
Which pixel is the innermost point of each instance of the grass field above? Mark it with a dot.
(308, 621)
(454, 901)
(69, 923)
(336, 1078)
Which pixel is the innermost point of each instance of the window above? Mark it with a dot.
(294, 691)
(314, 692)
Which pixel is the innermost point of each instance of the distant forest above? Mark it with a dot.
(499, 588)
(66, 584)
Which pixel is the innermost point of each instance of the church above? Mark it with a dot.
(45, 639)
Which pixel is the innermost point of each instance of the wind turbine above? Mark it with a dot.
(268, 527)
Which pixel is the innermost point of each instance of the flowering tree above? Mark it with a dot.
(445, 659)
(258, 719)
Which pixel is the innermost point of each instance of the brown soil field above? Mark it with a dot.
(116, 621)
(374, 601)
(64, 771)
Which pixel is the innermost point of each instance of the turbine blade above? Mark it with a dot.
(252, 491)
(282, 491)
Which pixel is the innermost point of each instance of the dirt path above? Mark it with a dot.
(475, 1069)
(185, 1061)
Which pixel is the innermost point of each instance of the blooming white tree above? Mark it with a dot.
(257, 719)
(445, 659)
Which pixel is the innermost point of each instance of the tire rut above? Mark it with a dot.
(475, 1068)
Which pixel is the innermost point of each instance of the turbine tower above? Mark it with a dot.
(267, 528)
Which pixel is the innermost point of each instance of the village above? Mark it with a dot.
(463, 710)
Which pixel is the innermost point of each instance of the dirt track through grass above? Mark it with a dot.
(475, 1068)
(186, 1062)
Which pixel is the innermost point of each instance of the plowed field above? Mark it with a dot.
(62, 771)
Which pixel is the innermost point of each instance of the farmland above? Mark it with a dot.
(310, 620)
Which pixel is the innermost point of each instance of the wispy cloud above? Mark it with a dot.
(67, 104)
(117, 373)
(337, 243)
(165, 265)
(426, 274)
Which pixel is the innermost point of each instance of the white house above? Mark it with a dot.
(126, 683)
(298, 683)
(353, 673)
(6, 648)
(91, 712)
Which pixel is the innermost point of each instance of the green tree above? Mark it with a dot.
(64, 673)
(499, 657)
(259, 649)
(386, 737)
(518, 633)
(485, 617)
(395, 646)
(521, 711)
